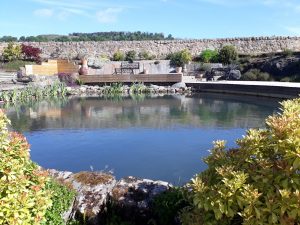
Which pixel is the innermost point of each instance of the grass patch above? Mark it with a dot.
(15, 65)
(93, 178)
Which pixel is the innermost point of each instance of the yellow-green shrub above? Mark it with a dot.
(259, 181)
(12, 52)
(23, 195)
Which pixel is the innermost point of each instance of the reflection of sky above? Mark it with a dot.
(168, 154)
(159, 138)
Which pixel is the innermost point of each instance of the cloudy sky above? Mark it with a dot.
(181, 18)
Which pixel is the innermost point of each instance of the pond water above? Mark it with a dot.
(161, 137)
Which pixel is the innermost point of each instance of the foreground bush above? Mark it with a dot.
(24, 198)
(256, 183)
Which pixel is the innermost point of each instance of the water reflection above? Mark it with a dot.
(157, 138)
(206, 110)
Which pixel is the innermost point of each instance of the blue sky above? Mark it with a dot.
(181, 18)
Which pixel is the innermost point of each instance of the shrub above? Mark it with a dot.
(62, 199)
(12, 52)
(257, 182)
(255, 75)
(287, 52)
(130, 56)
(228, 54)
(263, 76)
(31, 53)
(144, 55)
(167, 205)
(180, 58)
(209, 56)
(118, 56)
(23, 195)
(286, 79)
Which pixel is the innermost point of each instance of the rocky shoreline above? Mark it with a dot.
(95, 190)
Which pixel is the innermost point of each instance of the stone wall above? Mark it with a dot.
(253, 45)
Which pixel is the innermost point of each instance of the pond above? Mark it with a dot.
(162, 137)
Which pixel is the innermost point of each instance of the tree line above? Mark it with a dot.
(97, 36)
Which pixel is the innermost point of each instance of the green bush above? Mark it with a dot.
(16, 64)
(12, 52)
(24, 197)
(263, 76)
(179, 59)
(118, 56)
(257, 182)
(130, 56)
(256, 75)
(287, 52)
(285, 79)
(166, 206)
(228, 54)
(209, 56)
(144, 55)
(62, 199)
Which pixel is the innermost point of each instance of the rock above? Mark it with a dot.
(93, 190)
(179, 85)
(129, 196)
(132, 196)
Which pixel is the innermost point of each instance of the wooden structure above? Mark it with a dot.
(144, 78)
(52, 67)
(127, 68)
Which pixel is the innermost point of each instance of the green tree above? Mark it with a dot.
(228, 54)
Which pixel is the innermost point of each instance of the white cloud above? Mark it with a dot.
(43, 13)
(109, 15)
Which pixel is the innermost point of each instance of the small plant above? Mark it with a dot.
(31, 53)
(228, 54)
(166, 206)
(62, 199)
(179, 59)
(287, 52)
(12, 52)
(255, 75)
(130, 56)
(209, 56)
(144, 55)
(118, 56)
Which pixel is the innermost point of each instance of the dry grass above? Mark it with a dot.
(93, 178)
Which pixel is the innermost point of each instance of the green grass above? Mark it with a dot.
(15, 65)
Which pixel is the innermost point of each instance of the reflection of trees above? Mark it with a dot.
(166, 111)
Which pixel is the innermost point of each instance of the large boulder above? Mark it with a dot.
(93, 190)
(132, 197)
